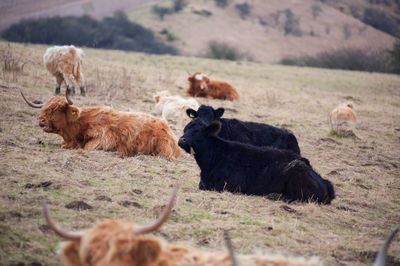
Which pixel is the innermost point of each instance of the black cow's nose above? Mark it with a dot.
(182, 141)
(184, 144)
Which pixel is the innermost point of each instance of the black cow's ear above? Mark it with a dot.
(191, 113)
(219, 112)
(213, 129)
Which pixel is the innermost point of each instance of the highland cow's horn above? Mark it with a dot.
(381, 258)
(229, 246)
(188, 72)
(209, 74)
(74, 236)
(31, 104)
(161, 220)
(70, 102)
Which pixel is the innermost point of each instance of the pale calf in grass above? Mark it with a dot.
(173, 107)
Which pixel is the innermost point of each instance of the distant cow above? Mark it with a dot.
(201, 86)
(118, 243)
(106, 129)
(238, 167)
(65, 64)
(344, 112)
(246, 132)
(173, 107)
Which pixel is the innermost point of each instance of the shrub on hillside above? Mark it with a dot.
(243, 9)
(169, 35)
(221, 3)
(395, 56)
(292, 23)
(218, 50)
(161, 11)
(381, 20)
(316, 10)
(115, 32)
(348, 59)
(178, 5)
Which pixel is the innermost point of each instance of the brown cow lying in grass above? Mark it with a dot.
(106, 129)
(201, 86)
(113, 242)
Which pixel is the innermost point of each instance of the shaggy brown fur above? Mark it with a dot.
(65, 64)
(201, 86)
(112, 243)
(106, 129)
(344, 112)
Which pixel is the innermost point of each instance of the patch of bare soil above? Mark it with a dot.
(78, 205)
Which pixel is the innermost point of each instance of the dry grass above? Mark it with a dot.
(365, 171)
(12, 64)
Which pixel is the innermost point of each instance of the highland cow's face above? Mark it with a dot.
(199, 82)
(112, 243)
(52, 115)
(56, 114)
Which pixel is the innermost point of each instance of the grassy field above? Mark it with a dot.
(364, 169)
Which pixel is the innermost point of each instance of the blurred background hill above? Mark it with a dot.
(285, 31)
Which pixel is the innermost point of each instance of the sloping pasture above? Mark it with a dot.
(365, 168)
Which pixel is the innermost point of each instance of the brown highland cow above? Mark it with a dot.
(103, 128)
(65, 64)
(117, 243)
(201, 86)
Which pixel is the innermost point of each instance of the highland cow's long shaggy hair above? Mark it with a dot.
(341, 114)
(65, 64)
(117, 243)
(103, 128)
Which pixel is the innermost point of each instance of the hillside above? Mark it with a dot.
(383, 15)
(266, 30)
(364, 170)
(12, 11)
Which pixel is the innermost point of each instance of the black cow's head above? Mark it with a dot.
(205, 113)
(195, 135)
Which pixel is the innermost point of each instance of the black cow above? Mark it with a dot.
(256, 134)
(238, 167)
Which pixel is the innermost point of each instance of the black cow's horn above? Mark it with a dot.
(75, 236)
(161, 220)
(70, 102)
(31, 104)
